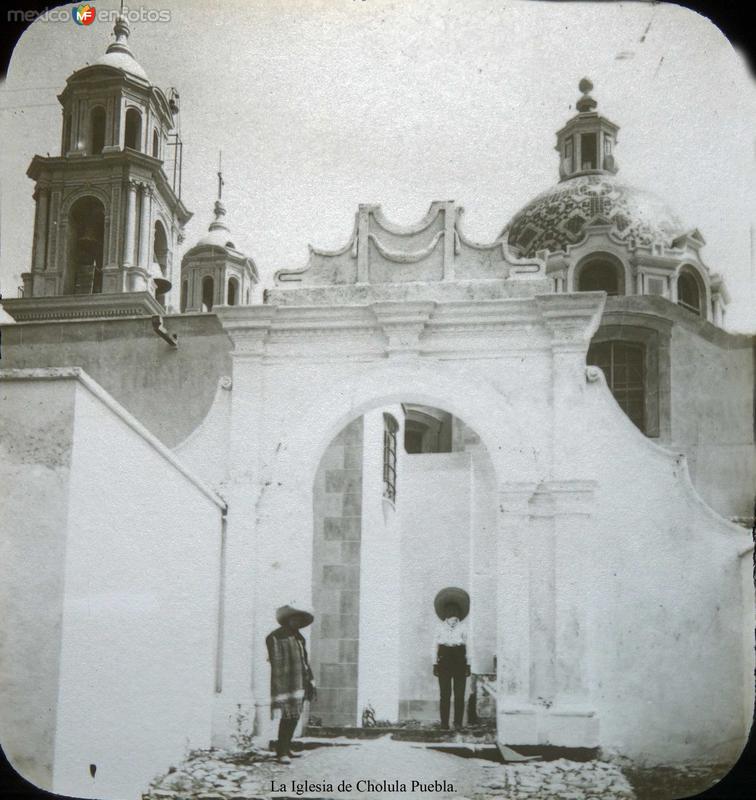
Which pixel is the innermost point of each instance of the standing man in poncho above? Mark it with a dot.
(291, 680)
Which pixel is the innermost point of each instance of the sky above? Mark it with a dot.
(319, 105)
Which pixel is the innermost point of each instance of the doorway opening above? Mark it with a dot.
(403, 505)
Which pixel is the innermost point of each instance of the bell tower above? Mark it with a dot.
(586, 143)
(108, 219)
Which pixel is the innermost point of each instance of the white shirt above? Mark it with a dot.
(450, 632)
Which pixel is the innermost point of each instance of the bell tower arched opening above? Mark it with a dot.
(160, 257)
(86, 235)
(133, 129)
(97, 130)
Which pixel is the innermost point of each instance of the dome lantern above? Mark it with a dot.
(213, 271)
(586, 143)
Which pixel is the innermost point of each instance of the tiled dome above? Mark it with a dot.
(558, 216)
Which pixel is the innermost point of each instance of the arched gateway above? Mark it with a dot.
(571, 538)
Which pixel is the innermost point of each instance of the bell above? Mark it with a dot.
(162, 284)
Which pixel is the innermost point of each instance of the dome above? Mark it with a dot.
(124, 62)
(216, 238)
(558, 216)
(218, 234)
(118, 55)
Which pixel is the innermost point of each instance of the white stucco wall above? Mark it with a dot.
(36, 439)
(671, 650)
(131, 570)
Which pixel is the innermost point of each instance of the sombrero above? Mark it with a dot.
(284, 612)
(452, 594)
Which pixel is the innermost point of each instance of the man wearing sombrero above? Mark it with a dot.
(291, 680)
(450, 651)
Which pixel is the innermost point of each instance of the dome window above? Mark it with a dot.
(569, 155)
(688, 292)
(155, 144)
(97, 130)
(589, 151)
(600, 275)
(133, 130)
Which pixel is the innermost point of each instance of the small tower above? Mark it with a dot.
(214, 272)
(107, 220)
(586, 143)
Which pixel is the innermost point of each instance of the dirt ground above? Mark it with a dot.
(385, 768)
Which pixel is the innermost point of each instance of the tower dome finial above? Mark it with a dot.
(586, 102)
(121, 31)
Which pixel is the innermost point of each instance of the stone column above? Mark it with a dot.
(144, 229)
(129, 227)
(40, 228)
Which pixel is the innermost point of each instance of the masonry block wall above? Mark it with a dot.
(336, 577)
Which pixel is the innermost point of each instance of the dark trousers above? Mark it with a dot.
(285, 733)
(445, 682)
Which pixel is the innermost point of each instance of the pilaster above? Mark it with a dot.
(544, 572)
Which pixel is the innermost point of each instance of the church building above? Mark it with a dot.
(556, 421)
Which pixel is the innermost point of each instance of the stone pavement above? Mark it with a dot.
(384, 768)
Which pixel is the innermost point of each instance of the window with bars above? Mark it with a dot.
(623, 364)
(390, 428)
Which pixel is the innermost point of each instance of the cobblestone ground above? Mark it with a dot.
(217, 776)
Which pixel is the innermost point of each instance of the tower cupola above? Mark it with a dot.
(586, 143)
(214, 272)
